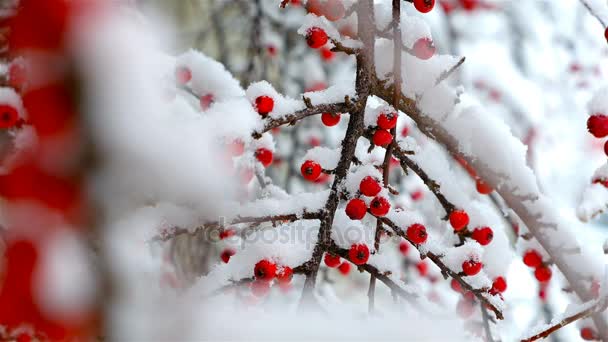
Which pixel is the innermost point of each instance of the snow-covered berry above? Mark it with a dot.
(264, 156)
(330, 119)
(471, 267)
(532, 258)
(382, 138)
(424, 48)
(417, 233)
(543, 273)
(379, 206)
(387, 121)
(424, 6)
(264, 105)
(332, 260)
(311, 170)
(358, 254)
(483, 235)
(265, 270)
(226, 254)
(356, 209)
(206, 101)
(9, 117)
(369, 186)
(404, 247)
(459, 219)
(597, 124)
(284, 274)
(316, 37)
(183, 75)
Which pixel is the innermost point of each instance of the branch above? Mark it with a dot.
(598, 307)
(339, 47)
(446, 271)
(486, 323)
(593, 13)
(177, 231)
(447, 73)
(301, 114)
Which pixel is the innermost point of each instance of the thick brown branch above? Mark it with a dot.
(598, 307)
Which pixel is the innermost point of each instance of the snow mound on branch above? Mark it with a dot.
(346, 232)
(282, 105)
(593, 202)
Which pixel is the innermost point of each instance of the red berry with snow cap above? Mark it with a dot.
(356, 209)
(206, 101)
(9, 117)
(316, 37)
(330, 119)
(264, 105)
(543, 273)
(264, 156)
(284, 274)
(379, 206)
(369, 186)
(358, 254)
(424, 48)
(382, 138)
(424, 6)
(417, 233)
(597, 124)
(483, 235)
(459, 219)
(471, 267)
(265, 270)
(226, 254)
(183, 75)
(387, 121)
(532, 258)
(404, 247)
(311, 170)
(332, 260)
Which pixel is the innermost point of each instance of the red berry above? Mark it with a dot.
(9, 116)
(334, 10)
(272, 50)
(284, 274)
(369, 186)
(332, 260)
(226, 254)
(532, 258)
(447, 6)
(382, 138)
(404, 247)
(344, 268)
(260, 288)
(358, 254)
(588, 334)
(356, 209)
(606, 148)
(315, 7)
(482, 187)
(455, 285)
(597, 124)
(206, 101)
(606, 34)
(264, 156)
(17, 75)
(330, 119)
(424, 48)
(405, 131)
(423, 268)
(310, 170)
(265, 270)
(23, 337)
(471, 267)
(465, 308)
(326, 54)
(459, 219)
(417, 195)
(483, 235)
(264, 105)
(387, 121)
(183, 75)
(499, 285)
(236, 148)
(424, 6)
(469, 5)
(226, 233)
(379, 206)
(417, 233)
(316, 37)
(543, 273)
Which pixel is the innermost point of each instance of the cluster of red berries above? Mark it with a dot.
(597, 125)
(333, 261)
(356, 208)
(542, 271)
(265, 271)
(386, 122)
(459, 219)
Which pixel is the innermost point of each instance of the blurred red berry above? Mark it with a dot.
(424, 48)
(183, 75)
